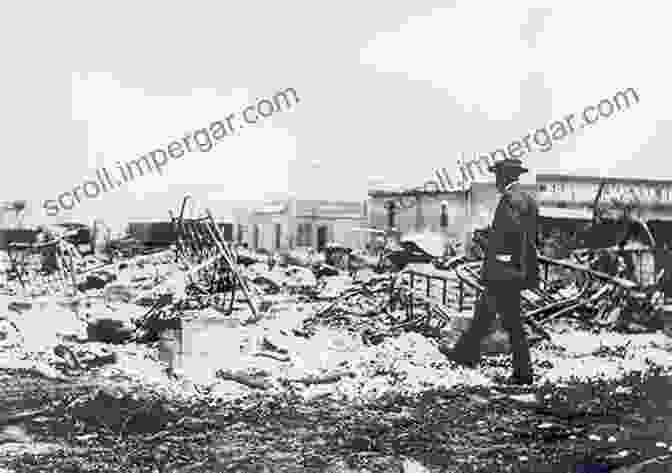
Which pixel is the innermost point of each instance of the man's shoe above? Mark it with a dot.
(520, 380)
(452, 356)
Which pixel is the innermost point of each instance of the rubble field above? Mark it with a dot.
(146, 370)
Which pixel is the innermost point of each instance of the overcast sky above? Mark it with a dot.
(389, 91)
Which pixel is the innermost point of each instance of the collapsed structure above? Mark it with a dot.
(417, 288)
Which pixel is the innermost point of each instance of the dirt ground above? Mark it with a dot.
(601, 401)
(81, 427)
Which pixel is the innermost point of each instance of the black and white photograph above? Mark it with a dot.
(336, 237)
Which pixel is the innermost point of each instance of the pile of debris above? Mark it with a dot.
(301, 323)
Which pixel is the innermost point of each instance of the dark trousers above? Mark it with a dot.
(505, 301)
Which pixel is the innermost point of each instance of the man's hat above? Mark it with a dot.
(511, 165)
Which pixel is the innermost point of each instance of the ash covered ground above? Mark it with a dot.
(290, 390)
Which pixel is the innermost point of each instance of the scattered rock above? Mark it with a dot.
(14, 433)
(525, 398)
(97, 280)
(107, 330)
(119, 292)
(412, 466)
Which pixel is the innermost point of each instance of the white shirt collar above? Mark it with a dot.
(509, 186)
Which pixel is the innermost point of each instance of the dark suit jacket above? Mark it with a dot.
(514, 233)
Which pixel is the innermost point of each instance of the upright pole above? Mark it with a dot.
(233, 265)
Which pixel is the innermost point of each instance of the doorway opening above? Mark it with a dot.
(322, 237)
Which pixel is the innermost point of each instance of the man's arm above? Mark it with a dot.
(522, 210)
(530, 234)
(524, 241)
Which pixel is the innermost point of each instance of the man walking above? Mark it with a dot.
(510, 266)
